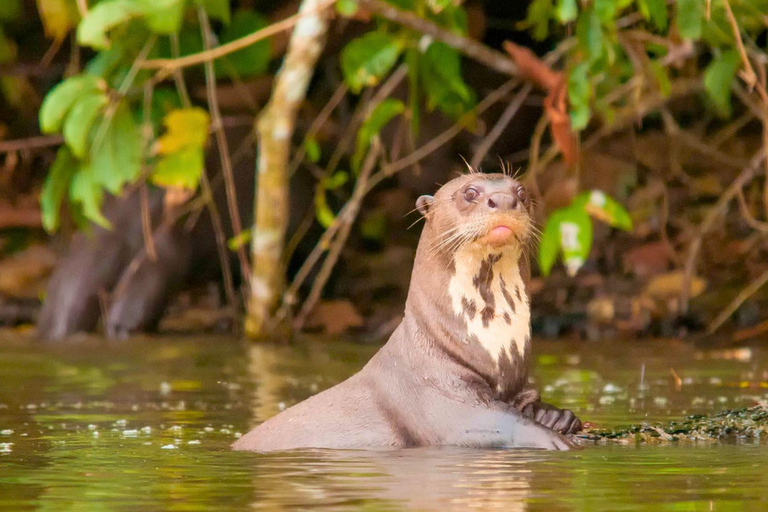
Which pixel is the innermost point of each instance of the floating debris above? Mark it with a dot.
(169, 447)
(739, 424)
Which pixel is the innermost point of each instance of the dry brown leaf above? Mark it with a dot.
(669, 285)
(334, 317)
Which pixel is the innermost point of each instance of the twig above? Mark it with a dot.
(178, 73)
(238, 44)
(318, 122)
(533, 163)
(43, 141)
(146, 136)
(82, 7)
(717, 209)
(748, 75)
(737, 301)
(748, 217)
(223, 146)
(472, 49)
(501, 125)
(345, 226)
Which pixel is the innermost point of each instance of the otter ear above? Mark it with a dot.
(424, 203)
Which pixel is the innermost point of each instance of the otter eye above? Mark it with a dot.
(471, 194)
(521, 194)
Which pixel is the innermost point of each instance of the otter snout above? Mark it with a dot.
(504, 201)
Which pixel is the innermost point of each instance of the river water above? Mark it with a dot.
(147, 424)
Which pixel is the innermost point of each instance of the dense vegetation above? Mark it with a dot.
(127, 112)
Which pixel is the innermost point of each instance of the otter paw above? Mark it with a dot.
(559, 420)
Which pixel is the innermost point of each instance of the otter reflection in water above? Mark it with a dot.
(455, 371)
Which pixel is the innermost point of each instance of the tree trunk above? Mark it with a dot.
(274, 129)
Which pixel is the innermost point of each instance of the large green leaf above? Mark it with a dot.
(250, 61)
(81, 117)
(549, 247)
(718, 78)
(589, 34)
(185, 128)
(163, 16)
(365, 60)
(568, 230)
(86, 192)
(376, 120)
(566, 10)
(181, 169)
(539, 13)
(444, 88)
(55, 187)
(103, 17)
(689, 18)
(61, 98)
(117, 158)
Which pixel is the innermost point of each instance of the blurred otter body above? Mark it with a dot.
(454, 372)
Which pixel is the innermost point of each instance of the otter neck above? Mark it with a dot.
(475, 296)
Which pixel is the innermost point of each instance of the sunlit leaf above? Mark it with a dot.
(323, 212)
(182, 169)
(77, 125)
(185, 128)
(589, 34)
(365, 60)
(55, 187)
(376, 120)
(61, 98)
(718, 78)
(59, 17)
(347, 7)
(103, 17)
(604, 208)
(539, 13)
(655, 11)
(566, 10)
(312, 149)
(579, 94)
(567, 231)
(240, 240)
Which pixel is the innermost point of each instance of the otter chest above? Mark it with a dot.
(488, 292)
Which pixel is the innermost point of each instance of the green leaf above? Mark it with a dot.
(365, 60)
(550, 243)
(654, 10)
(336, 181)
(566, 10)
(185, 128)
(87, 193)
(8, 48)
(689, 18)
(240, 240)
(374, 225)
(61, 98)
(10, 10)
(376, 120)
(323, 212)
(103, 17)
(413, 60)
(77, 125)
(181, 169)
(444, 88)
(539, 13)
(718, 78)
(606, 10)
(589, 34)
(58, 17)
(438, 5)
(252, 60)
(569, 230)
(163, 16)
(312, 149)
(217, 9)
(604, 208)
(117, 158)
(579, 93)
(347, 8)
(661, 76)
(55, 187)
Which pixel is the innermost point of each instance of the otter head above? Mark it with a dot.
(487, 211)
(479, 225)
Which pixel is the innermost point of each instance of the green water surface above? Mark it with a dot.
(147, 424)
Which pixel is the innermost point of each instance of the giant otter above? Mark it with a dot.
(455, 371)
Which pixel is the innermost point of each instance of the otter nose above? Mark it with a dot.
(503, 201)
